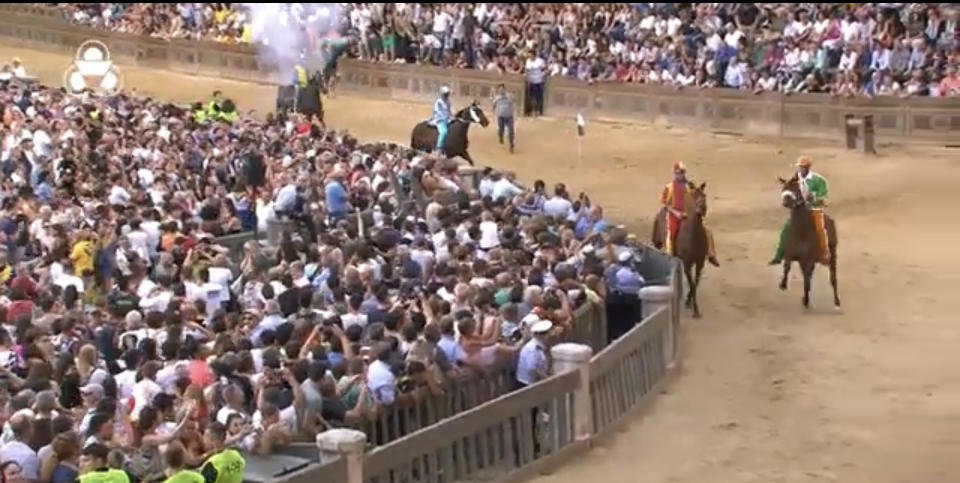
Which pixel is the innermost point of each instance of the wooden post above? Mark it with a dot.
(869, 135)
(851, 126)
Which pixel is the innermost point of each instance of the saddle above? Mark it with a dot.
(433, 126)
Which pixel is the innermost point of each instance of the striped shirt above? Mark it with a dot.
(536, 70)
(503, 105)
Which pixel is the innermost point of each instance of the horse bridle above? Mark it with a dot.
(798, 199)
(471, 111)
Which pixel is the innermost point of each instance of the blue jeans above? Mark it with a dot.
(442, 127)
(505, 124)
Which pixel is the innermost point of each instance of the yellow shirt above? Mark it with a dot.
(220, 15)
(245, 35)
(82, 257)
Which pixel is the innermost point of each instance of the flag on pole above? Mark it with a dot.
(581, 126)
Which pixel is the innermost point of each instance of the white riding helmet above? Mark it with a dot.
(444, 90)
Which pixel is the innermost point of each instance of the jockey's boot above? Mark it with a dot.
(778, 255)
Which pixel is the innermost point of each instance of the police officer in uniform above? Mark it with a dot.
(505, 109)
(175, 457)
(213, 107)
(94, 468)
(225, 465)
(623, 304)
(533, 364)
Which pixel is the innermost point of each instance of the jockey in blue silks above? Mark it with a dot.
(442, 116)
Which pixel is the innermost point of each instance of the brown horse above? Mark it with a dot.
(691, 244)
(802, 243)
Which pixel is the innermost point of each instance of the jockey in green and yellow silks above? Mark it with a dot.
(813, 186)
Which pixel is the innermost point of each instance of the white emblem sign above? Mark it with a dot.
(92, 70)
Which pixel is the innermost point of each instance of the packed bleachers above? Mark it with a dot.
(848, 49)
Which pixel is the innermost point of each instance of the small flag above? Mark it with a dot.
(581, 126)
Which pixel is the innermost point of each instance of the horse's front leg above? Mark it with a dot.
(467, 157)
(696, 285)
(807, 281)
(833, 280)
(691, 284)
(786, 274)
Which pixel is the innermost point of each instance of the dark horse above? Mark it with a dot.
(306, 101)
(802, 244)
(424, 135)
(691, 243)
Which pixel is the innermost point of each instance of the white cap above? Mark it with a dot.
(529, 319)
(624, 256)
(541, 327)
(444, 90)
(287, 161)
(588, 249)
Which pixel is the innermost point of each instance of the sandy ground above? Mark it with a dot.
(770, 392)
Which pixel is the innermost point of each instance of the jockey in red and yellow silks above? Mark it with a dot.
(676, 197)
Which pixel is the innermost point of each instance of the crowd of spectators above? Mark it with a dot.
(864, 49)
(125, 326)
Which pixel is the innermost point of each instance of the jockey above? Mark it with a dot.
(813, 186)
(299, 74)
(676, 196)
(442, 115)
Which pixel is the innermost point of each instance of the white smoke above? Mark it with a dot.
(280, 30)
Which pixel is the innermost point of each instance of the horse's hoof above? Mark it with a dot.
(783, 286)
(696, 315)
(836, 307)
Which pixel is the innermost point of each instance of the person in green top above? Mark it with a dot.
(332, 49)
(199, 113)
(175, 457)
(94, 468)
(814, 188)
(213, 107)
(224, 465)
(228, 111)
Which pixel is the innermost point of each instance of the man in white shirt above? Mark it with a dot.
(158, 297)
(557, 206)
(66, 278)
(19, 451)
(535, 70)
(503, 188)
(139, 241)
(286, 198)
(18, 70)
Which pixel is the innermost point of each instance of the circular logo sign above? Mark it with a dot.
(92, 71)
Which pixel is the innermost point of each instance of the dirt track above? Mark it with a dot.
(770, 393)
